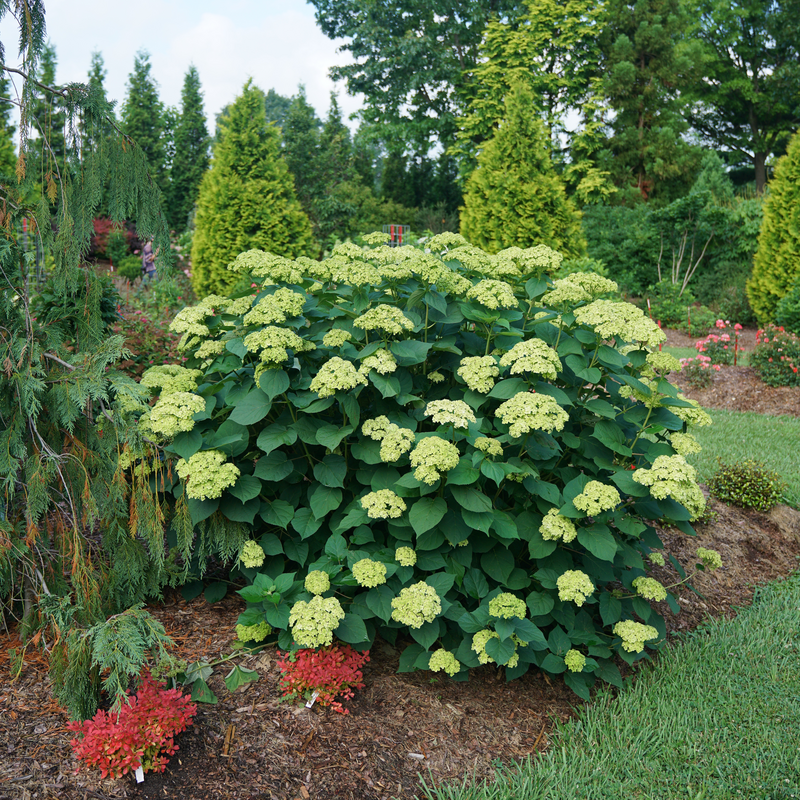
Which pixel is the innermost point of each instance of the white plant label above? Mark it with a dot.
(312, 700)
(139, 775)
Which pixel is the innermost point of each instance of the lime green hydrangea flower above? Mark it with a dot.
(649, 396)
(209, 349)
(252, 554)
(369, 573)
(416, 605)
(382, 361)
(277, 307)
(489, 446)
(444, 661)
(507, 605)
(396, 443)
(574, 585)
(555, 527)
(376, 428)
(375, 238)
(431, 457)
(405, 556)
(352, 273)
(336, 375)
(253, 633)
(711, 559)
(314, 622)
(657, 559)
(447, 412)
(336, 338)
(597, 497)
(239, 306)
(172, 413)
(672, 476)
(691, 416)
(479, 372)
(526, 412)
(532, 355)
(660, 364)
(273, 343)
(433, 272)
(442, 242)
(575, 660)
(493, 294)
(261, 264)
(479, 641)
(190, 320)
(207, 474)
(435, 377)
(317, 582)
(650, 589)
(634, 635)
(565, 293)
(534, 260)
(384, 318)
(383, 504)
(617, 320)
(596, 285)
(684, 444)
(171, 378)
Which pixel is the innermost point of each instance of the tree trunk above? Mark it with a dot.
(760, 163)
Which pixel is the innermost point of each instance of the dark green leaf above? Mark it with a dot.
(462, 475)
(426, 513)
(441, 581)
(498, 563)
(352, 630)
(331, 437)
(246, 488)
(410, 351)
(579, 682)
(323, 499)
(273, 467)
(239, 676)
(277, 512)
(237, 511)
(215, 591)
(540, 603)
(253, 408)
(274, 436)
(379, 601)
(331, 471)
(475, 584)
(201, 693)
(610, 608)
(426, 634)
(305, 523)
(202, 509)
(471, 499)
(501, 650)
(504, 390)
(273, 382)
(599, 541)
(187, 443)
(336, 546)
(409, 657)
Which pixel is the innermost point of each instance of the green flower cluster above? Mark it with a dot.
(336, 338)
(575, 660)
(388, 319)
(595, 285)
(489, 446)
(266, 265)
(574, 585)
(532, 355)
(711, 559)
(435, 376)
(207, 474)
(691, 416)
(566, 293)
(493, 294)
(480, 639)
(478, 372)
(507, 605)
(171, 378)
(431, 457)
(383, 504)
(317, 582)
(395, 441)
(252, 554)
(336, 375)
(172, 414)
(526, 412)
(597, 497)
(650, 589)
(649, 396)
(684, 444)
(190, 320)
(314, 622)
(416, 605)
(369, 573)
(672, 476)
(253, 633)
(405, 556)
(624, 321)
(450, 412)
(555, 527)
(273, 343)
(634, 635)
(444, 661)
(660, 364)
(382, 361)
(657, 559)
(277, 307)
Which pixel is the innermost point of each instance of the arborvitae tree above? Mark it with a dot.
(276, 107)
(63, 417)
(247, 198)
(777, 262)
(301, 147)
(143, 116)
(190, 161)
(396, 183)
(49, 120)
(514, 196)
(8, 155)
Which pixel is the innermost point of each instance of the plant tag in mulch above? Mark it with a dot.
(139, 773)
(312, 700)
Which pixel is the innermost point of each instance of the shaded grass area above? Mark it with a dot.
(736, 436)
(716, 718)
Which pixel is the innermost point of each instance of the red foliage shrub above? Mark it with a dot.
(102, 229)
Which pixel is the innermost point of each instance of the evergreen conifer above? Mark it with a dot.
(515, 197)
(190, 160)
(247, 198)
(777, 261)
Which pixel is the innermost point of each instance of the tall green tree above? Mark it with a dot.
(143, 116)
(247, 198)
(191, 157)
(648, 64)
(514, 196)
(301, 142)
(8, 155)
(411, 60)
(777, 262)
(747, 103)
(48, 121)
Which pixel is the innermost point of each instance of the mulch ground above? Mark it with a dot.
(250, 746)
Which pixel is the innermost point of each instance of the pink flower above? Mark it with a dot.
(716, 367)
(770, 360)
(737, 327)
(719, 323)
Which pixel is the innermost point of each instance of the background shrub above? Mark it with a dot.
(129, 267)
(787, 315)
(749, 484)
(444, 447)
(776, 358)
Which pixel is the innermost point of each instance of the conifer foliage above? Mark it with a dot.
(247, 199)
(777, 260)
(515, 197)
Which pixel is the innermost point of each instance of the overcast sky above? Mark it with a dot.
(276, 42)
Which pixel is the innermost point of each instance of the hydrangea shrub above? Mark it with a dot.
(444, 446)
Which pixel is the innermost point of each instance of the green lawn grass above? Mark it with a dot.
(737, 436)
(716, 718)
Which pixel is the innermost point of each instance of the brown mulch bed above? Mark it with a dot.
(252, 747)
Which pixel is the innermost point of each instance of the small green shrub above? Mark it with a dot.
(668, 305)
(776, 358)
(698, 322)
(129, 267)
(117, 247)
(788, 312)
(731, 303)
(698, 371)
(439, 445)
(748, 484)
